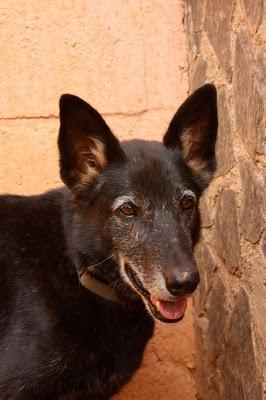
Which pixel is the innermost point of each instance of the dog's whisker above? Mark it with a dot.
(99, 263)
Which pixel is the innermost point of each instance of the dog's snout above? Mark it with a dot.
(181, 283)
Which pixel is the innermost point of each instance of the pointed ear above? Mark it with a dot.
(193, 131)
(86, 144)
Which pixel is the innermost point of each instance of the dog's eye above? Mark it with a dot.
(188, 202)
(129, 209)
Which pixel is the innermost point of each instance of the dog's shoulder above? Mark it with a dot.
(18, 214)
(31, 232)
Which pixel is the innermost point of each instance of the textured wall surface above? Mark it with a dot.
(226, 45)
(128, 59)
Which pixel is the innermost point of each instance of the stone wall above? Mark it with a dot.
(128, 59)
(225, 46)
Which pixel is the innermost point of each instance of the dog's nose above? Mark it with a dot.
(181, 283)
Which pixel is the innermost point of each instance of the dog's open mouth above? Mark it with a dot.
(166, 311)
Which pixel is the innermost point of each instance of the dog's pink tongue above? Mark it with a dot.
(170, 309)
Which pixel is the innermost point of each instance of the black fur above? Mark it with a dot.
(58, 339)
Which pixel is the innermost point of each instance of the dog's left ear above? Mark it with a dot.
(86, 144)
(193, 130)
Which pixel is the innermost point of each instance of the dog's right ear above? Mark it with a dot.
(86, 144)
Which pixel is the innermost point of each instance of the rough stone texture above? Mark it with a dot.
(227, 231)
(199, 73)
(249, 108)
(217, 25)
(230, 308)
(254, 13)
(253, 193)
(128, 59)
(207, 267)
(217, 316)
(224, 149)
(195, 11)
(211, 328)
(238, 358)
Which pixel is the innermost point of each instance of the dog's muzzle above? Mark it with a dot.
(165, 311)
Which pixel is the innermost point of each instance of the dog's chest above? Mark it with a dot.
(100, 361)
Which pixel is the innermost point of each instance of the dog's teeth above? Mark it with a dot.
(158, 304)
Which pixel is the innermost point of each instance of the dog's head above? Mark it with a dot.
(138, 201)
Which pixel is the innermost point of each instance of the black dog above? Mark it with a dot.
(84, 269)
